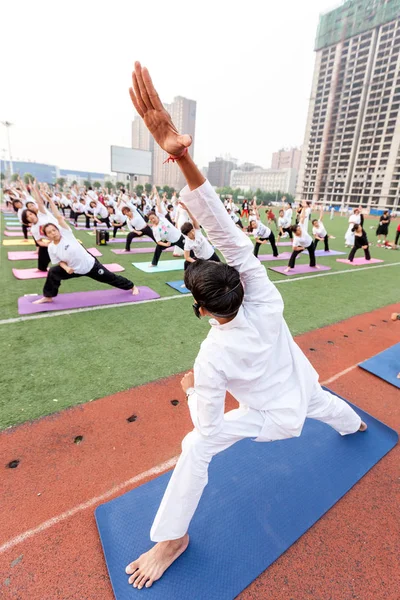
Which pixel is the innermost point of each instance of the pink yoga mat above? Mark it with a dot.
(23, 255)
(271, 257)
(13, 233)
(139, 251)
(14, 228)
(359, 261)
(84, 299)
(94, 251)
(300, 269)
(284, 244)
(35, 274)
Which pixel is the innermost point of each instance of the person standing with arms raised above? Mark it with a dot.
(276, 386)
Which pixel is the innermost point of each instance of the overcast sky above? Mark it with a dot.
(66, 69)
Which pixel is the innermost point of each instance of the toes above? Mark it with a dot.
(131, 568)
(149, 583)
(133, 578)
(142, 581)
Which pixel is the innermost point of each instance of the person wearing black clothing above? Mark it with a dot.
(360, 241)
(383, 227)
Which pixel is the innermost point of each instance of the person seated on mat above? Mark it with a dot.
(117, 219)
(284, 226)
(360, 242)
(18, 208)
(71, 260)
(319, 232)
(137, 226)
(196, 244)
(249, 351)
(165, 235)
(262, 235)
(301, 241)
(100, 213)
(36, 216)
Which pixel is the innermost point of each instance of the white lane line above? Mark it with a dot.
(176, 297)
(165, 466)
(338, 375)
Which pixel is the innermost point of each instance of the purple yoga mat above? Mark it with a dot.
(271, 257)
(284, 244)
(36, 274)
(139, 240)
(359, 261)
(84, 299)
(300, 269)
(140, 251)
(23, 255)
(13, 233)
(330, 253)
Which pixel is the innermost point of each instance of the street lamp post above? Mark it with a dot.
(7, 125)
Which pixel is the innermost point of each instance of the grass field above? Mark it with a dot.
(48, 364)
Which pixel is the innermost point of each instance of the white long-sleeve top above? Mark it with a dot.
(254, 356)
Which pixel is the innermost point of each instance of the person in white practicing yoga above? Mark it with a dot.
(249, 352)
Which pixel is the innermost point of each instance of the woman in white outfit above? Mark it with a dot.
(249, 352)
(355, 219)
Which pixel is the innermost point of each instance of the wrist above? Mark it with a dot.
(189, 391)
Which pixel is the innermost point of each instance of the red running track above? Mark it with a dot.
(50, 547)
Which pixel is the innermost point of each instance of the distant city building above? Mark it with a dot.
(40, 171)
(141, 140)
(80, 176)
(248, 167)
(267, 180)
(351, 151)
(219, 171)
(286, 159)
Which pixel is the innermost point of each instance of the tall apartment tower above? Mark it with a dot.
(142, 140)
(351, 151)
(286, 159)
(219, 171)
(183, 114)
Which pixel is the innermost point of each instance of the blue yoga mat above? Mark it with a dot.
(260, 499)
(177, 285)
(385, 365)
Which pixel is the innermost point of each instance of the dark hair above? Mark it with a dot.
(355, 227)
(122, 190)
(314, 221)
(90, 188)
(287, 202)
(24, 216)
(215, 286)
(47, 225)
(14, 202)
(152, 213)
(170, 206)
(294, 227)
(125, 210)
(186, 228)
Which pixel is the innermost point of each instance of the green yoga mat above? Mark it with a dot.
(164, 265)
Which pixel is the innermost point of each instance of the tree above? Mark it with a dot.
(87, 183)
(148, 187)
(139, 189)
(120, 184)
(28, 178)
(2, 176)
(74, 182)
(109, 185)
(61, 181)
(97, 185)
(15, 177)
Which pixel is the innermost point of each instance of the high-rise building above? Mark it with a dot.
(267, 180)
(351, 151)
(183, 114)
(142, 140)
(219, 171)
(286, 159)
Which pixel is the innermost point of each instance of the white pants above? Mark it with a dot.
(190, 476)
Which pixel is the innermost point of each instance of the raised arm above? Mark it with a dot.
(191, 216)
(56, 213)
(199, 196)
(38, 198)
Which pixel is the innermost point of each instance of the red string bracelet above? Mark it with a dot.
(172, 158)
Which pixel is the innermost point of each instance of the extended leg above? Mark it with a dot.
(326, 242)
(311, 252)
(102, 274)
(273, 244)
(333, 411)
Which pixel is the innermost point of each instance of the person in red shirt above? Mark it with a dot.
(397, 235)
(271, 217)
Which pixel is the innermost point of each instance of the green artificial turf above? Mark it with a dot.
(53, 363)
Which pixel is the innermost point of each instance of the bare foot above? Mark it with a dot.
(43, 300)
(151, 265)
(152, 565)
(287, 270)
(398, 376)
(363, 426)
(393, 316)
(135, 291)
